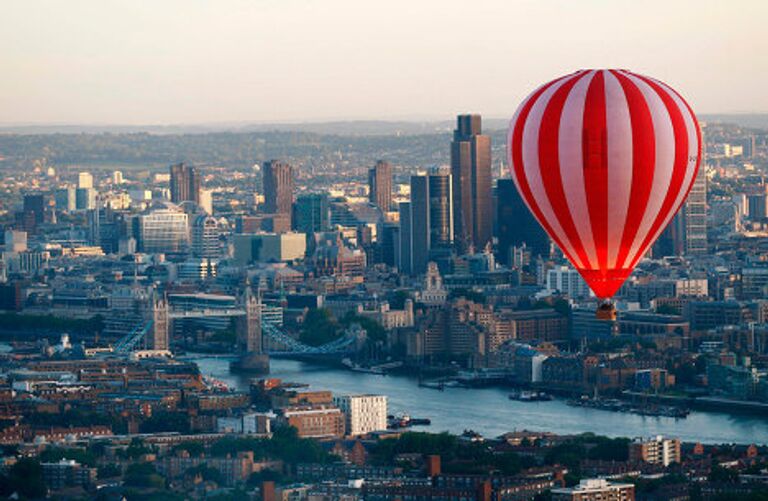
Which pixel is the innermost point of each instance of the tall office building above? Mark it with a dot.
(205, 235)
(750, 146)
(671, 242)
(312, 213)
(185, 184)
(35, 204)
(163, 228)
(380, 185)
(85, 180)
(403, 255)
(85, 198)
(516, 225)
(757, 206)
(429, 222)
(695, 214)
(66, 199)
(278, 187)
(471, 170)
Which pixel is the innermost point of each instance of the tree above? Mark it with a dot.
(108, 471)
(143, 475)
(55, 454)
(720, 474)
(26, 478)
(318, 327)
(397, 301)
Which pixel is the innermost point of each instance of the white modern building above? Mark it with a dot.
(84, 180)
(594, 489)
(363, 413)
(568, 281)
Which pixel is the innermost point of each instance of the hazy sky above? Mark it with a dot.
(195, 61)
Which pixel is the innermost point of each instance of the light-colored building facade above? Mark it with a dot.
(595, 489)
(163, 228)
(363, 413)
(568, 281)
(656, 450)
(269, 247)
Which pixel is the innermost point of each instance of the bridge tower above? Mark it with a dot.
(249, 337)
(249, 325)
(158, 335)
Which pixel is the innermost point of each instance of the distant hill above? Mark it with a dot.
(752, 120)
(339, 128)
(332, 128)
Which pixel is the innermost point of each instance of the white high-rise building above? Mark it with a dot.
(85, 180)
(363, 413)
(568, 281)
(117, 177)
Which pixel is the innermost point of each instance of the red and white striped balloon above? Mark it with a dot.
(604, 159)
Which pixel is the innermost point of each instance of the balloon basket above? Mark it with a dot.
(606, 310)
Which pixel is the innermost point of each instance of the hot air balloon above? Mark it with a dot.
(604, 159)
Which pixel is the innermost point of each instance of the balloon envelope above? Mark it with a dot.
(604, 159)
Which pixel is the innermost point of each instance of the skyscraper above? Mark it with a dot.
(85, 180)
(380, 185)
(313, 213)
(185, 184)
(278, 187)
(695, 214)
(429, 222)
(471, 170)
(403, 258)
(419, 220)
(66, 199)
(516, 224)
(35, 204)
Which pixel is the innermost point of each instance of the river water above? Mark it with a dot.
(490, 412)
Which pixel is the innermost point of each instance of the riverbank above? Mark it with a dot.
(491, 412)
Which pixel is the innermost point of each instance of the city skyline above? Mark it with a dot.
(84, 64)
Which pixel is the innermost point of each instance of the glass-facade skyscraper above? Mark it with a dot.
(516, 225)
(471, 170)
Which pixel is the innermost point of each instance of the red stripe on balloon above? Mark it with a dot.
(549, 165)
(680, 163)
(699, 145)
(516, 148)
(595, 162)
(643, 163)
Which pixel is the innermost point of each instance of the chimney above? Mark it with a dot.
(484, 491)
(433, 465)
(268, 491)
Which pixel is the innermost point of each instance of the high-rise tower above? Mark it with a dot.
(695, 216)
(278, 188)
(380, 185)
(516, 224)
(429, 221)
(185, 184)
(471, 170)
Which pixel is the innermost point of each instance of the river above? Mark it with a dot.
(489, 411)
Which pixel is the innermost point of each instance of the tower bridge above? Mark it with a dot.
(255, 335)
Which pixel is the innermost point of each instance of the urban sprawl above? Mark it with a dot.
(129, 256)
